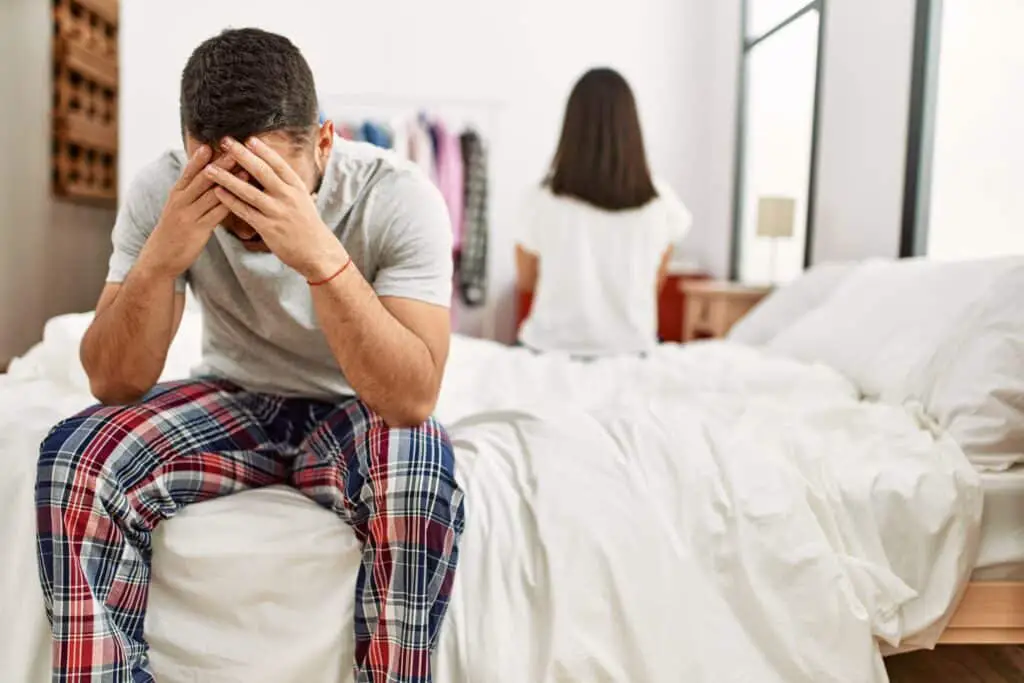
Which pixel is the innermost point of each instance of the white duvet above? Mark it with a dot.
(707, 514)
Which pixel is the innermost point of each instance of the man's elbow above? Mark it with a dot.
(112, 393)
(409, 413)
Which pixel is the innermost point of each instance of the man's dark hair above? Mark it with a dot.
(244, 82)
(600, 157)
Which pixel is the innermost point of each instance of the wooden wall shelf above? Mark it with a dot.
(85, 93)
(77, 55)
(80, 129)
(107, 10)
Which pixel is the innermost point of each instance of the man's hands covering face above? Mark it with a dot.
(189, 217)
(283, 212)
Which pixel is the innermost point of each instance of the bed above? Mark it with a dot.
(720, 511)
(992, 609)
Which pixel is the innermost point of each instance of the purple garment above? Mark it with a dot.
(450, 181)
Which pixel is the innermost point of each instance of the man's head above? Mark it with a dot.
(247, 82)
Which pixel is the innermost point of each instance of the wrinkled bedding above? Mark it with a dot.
(708, 513)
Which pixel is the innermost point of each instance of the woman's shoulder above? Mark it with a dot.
(668, 197)
(679, 217)
(540, 200)
(665, 191)
(540, 193)
(536, 192)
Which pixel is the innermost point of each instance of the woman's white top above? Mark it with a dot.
(596, 289)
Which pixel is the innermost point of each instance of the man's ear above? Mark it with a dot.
(324, 143)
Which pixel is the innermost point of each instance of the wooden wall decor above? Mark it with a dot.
(85, 87)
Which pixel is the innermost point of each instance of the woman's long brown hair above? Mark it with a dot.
(600, 157)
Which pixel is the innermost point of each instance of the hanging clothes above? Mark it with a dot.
(431, 130)
(400, 137)
(376, 134)
(421, 148)
(471, 273)
(343, 130)
(448, 161)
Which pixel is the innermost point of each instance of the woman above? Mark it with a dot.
(597, 234)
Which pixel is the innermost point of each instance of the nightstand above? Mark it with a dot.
(714, 307)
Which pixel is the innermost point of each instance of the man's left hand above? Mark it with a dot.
(284, 213)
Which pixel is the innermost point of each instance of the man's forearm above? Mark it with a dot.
(124, 350)
(389, 367)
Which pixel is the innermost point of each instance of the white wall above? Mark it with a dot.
(53, 254)
(520, 58)
(863, 128)
(977, 202)
(714, 58)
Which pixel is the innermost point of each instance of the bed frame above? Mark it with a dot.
(990, 613)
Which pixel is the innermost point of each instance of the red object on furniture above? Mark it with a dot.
(523, 302)
(670, 306)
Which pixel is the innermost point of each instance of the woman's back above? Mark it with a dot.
(596, 290)
(596, 236)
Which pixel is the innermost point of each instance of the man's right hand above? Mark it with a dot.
(189, 217)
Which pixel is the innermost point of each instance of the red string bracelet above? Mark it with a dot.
(331, 277)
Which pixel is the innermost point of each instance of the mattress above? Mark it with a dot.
(1001, 555)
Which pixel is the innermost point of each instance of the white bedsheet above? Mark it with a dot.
(706, 514)
(1001, 555)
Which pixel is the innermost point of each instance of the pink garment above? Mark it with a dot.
(450, 179)
(343, 130)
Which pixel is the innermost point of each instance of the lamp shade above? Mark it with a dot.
(775, 216)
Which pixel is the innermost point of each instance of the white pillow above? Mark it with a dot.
(945, 334)
(56, 357)
(977, 390)
(786, 305)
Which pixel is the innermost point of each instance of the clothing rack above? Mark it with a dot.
(481, 115)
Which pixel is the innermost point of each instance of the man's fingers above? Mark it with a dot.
(281, 167)
(206, 201)
(257, 167)
(202, 182)
(215, 216)
(199, 159)
(240, 208)
(240, 188)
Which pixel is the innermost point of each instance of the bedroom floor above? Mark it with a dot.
(959, 664)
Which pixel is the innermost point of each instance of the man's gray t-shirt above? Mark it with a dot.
(260, 330)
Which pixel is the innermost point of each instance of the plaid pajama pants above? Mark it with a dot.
(108, 475)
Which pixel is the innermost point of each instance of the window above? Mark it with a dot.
(776, 136)
(964, 174)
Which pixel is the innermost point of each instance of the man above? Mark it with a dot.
(323, 269)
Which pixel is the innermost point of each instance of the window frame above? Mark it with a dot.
(747, 44)
(921, 128)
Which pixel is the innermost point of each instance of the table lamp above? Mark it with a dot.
(775, 221)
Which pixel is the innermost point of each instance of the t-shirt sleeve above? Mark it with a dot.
(527, 235)
(138, 215)
(416, 254)
(679, 220)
